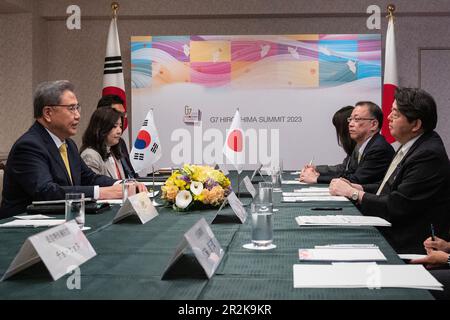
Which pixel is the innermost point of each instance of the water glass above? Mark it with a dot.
(128, 189)
(276, 179)
(265, 192)
(262, 225)
(75, 208)
(262, 217)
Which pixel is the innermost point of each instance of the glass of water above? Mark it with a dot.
(276, 178)
(128, 189)
(262, 217)
(75, 208)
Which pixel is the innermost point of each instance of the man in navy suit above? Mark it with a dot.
(44, 163)
(372, 154)
(415, 191)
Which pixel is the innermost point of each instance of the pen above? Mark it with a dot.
(311, 162)
(326, 208)
(432, 232)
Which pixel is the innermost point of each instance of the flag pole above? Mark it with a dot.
(154, 202)
(238, 174)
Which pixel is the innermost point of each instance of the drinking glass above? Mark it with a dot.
(75, 208)
(128, 189)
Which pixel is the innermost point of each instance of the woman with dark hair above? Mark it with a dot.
(100, 148)
(325, 173)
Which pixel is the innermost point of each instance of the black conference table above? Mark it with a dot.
(131, 258)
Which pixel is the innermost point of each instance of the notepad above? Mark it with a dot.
(341, 220)
(341, 254)
(363, 275)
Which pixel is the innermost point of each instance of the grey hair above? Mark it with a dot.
(49, 93)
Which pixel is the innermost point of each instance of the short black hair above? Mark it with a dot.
(109, 100)
(49, 93)
(415, 103)
(375, 111)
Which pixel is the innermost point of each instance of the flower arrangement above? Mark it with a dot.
(196, 187)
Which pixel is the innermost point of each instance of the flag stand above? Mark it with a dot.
(238, 182)
(154, 202)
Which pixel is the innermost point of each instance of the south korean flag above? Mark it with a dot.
(146, 149)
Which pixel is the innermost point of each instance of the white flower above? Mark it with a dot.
(183, 199)
(196, 187)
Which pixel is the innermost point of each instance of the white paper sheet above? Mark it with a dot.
(32, 223)
(149, 184)
(341, 254)
(292, 182)
(411, 256)
(119, 201)
(309, 198)
(33, 217)
(362, 275)
(341, 220)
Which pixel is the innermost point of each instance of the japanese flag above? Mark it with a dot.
(234, 148)
(390, 82)
(147, 148)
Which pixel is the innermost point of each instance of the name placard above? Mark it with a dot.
(222, 168)
(205, 246)
(62, 249)
(249, 186)
(137, 205)
(257, 170)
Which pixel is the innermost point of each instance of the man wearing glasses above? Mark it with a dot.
(44, 163)
(415, 191)
(372, 154)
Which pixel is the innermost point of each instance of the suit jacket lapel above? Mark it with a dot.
(109, 168)
(73, 155)
(392, 179)
(53, 151)
(369, 144)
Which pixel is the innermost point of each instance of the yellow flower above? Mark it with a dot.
(169, 192)
(180, 183)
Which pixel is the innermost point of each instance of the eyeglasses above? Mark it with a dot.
(350, 119)
(71, 107)
(394, 115)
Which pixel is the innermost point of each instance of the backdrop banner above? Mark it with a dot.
(287, 88)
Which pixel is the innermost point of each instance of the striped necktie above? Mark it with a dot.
(63, 153)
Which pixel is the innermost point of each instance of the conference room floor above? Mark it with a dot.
(132, 257)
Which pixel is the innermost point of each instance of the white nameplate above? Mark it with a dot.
(257, 170)
(237, 207)
(205, 246)
(139, 205)
(62, 249)
(223, 169)
(249, 186)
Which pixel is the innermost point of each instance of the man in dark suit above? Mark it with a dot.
(115, 102)
(371, 155)
(415, 191)
(44, 163)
